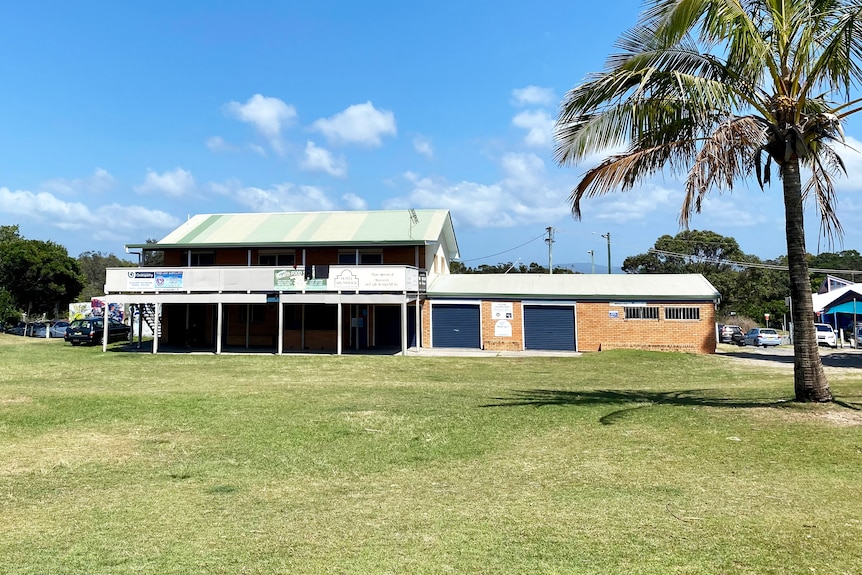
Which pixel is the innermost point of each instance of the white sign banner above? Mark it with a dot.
(502, 310)
(503, 328)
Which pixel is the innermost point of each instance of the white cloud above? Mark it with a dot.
(285, 198)
(539, 126)
(522, 197)
(851, 154)
(359, 124)
(533, 96)
(175, 184)
(321, 160)
(268, 115)
(523, 170)
(354, 202)
(218, 144)
(634, 205)
(735, 211)
(76, 216)
(100, 182)
(226, 188)
(423, 145)
(259, 150)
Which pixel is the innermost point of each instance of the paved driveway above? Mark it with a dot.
(782, 355)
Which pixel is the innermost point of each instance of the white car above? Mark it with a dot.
(826, 335)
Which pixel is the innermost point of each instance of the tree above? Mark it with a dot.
(93, 266)
(694, 252)
(722, 90)
(844, 260)
(39, 276)
(153, 258)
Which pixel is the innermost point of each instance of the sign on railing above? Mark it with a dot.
(264, 279)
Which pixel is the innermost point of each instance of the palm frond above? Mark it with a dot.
(821, 186)
(724, 157)
(620, 172)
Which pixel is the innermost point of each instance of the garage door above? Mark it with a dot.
(455, 326)
(549, 327)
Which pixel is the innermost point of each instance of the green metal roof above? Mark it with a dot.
(359, 228)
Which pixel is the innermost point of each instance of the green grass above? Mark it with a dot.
(613, 462)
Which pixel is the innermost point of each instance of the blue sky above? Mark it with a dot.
(120, 120)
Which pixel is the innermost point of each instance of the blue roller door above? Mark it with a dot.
(455, 325)
(549, 327)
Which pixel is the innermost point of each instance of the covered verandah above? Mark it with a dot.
(219, 302)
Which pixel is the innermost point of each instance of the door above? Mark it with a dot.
(549, 327)
(455, 325)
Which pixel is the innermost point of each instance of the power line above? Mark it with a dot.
(505, 251)
(748, 264)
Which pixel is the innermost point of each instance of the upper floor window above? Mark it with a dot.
(365, 258)
(199, 258)
(276, 259)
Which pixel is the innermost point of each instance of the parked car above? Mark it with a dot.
(850, 329)
(56, 329)
(826, 335)
(731, 334)
(16, 329)
(90, 331)
(764, 336)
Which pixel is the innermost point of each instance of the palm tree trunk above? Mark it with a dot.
(809, 380)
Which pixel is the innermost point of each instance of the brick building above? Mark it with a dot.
(339, 281)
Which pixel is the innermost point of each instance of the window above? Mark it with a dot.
(274, 259)
(199, 258)
(365, 258)
(258, 313)
(690, 313)
(642, 312)
(370, 259)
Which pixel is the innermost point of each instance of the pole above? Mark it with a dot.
(592, 260)
(608, 236)
(550, 241)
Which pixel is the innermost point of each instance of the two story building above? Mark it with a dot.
(354, 281)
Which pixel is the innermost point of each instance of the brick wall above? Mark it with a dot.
(601, 326)
(496, 335)
(598, 330)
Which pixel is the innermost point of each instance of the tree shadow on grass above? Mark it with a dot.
(642, 399)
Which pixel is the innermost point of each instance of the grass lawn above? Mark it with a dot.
(613, 462)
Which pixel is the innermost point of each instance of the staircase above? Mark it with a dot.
(148, 312)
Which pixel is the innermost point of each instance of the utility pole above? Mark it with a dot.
(608, 236)
(592, 260)
(550, 241)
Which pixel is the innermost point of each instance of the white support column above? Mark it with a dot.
(158, 327)
(418, 327)
(404, 326)
(105, 322)
(338, 343)
(280, 327)
(219, 325)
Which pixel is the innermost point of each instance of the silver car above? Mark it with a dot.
(764, 336)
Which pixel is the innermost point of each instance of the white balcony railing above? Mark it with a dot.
(262, 279)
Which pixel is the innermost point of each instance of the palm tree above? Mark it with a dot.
(723, 90)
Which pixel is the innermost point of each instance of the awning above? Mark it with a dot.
(846, 307)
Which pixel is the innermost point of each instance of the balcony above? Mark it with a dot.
(263, 279)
